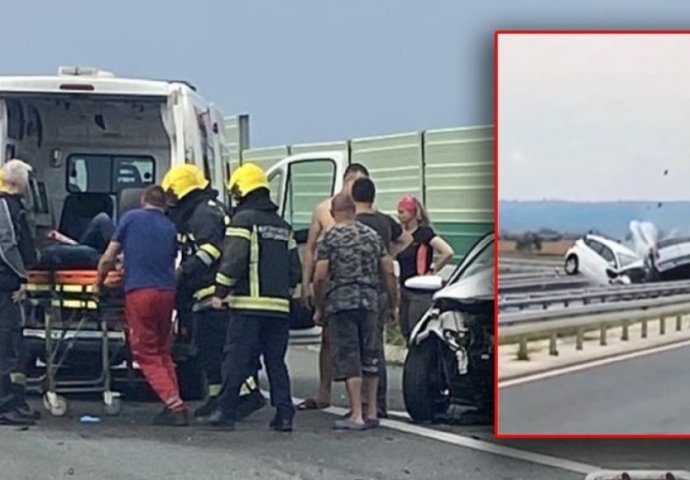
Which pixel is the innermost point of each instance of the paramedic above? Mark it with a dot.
(17, 251)
(259, 269)
(201, 220)
(146, 237)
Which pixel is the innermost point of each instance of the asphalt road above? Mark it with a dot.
(128, 447)
(648, 394)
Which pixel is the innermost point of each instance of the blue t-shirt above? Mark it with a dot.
(149, 244)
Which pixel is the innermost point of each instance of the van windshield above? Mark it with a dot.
(108, 173)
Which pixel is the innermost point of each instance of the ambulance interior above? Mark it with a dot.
(85, 150)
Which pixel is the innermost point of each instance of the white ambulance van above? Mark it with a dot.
(89, 136)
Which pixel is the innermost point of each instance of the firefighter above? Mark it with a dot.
(201, 220)
(259, 269)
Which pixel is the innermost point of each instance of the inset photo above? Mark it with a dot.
(593, 132)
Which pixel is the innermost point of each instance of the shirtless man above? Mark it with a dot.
(322, 221)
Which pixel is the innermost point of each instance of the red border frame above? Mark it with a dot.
(496, 432)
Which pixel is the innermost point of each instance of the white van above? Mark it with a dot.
(85, 130)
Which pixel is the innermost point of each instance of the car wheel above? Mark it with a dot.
(424, 390)
(571, 265)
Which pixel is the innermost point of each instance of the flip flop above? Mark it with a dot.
(347, 424)
(312, 404)
(372, 423)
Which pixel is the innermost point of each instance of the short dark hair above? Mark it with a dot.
(356, 168)
(363, 190)
(155, 196)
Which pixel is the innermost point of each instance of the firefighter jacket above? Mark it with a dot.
(201, 220)
(17, 250)
(260, 265)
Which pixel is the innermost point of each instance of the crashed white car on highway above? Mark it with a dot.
(604, 260)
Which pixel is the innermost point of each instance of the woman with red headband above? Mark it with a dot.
(418, 259)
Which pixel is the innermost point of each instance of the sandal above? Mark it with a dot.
(347, 424)
(312, 404)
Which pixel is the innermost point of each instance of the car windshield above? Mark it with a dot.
(480, 257)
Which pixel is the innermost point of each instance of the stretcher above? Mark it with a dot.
(62, 311)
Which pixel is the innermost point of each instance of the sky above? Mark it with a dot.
(309, 70)
(594, 117)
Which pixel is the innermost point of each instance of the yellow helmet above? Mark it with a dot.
(183, 179)
(247, 178)
(2, 183)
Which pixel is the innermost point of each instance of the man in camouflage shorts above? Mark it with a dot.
(350, 263)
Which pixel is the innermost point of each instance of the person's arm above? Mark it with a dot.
(107, 262)
(234, 261)
(323, 256)
(295, 264)
(444, 251)
(27, 247)
(400, 239)
(208, 228)
(390, 282)
(320, 284)
(308, 256)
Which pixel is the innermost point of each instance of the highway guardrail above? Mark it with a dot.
(525, 326)
(588, 296)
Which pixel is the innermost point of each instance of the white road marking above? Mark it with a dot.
(592, 364)
(479, 445)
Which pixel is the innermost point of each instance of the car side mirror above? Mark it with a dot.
(428, 283)
(611, 273)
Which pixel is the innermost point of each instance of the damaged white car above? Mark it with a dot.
(605, 261)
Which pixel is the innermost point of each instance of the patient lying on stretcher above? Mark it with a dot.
(83, 253)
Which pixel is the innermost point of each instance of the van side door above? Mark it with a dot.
(300, 182)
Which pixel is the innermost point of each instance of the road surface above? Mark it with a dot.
(645, 394)
(128, 447)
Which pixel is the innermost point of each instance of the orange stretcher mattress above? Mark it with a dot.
(74, 277)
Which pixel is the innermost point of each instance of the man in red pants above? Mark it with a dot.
(148, 240)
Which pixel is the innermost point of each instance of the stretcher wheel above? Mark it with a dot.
(55, 404)
(112, 404)
(113, 408)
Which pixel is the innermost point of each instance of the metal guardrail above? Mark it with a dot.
(586, 296)
(542, 283)
(521, 327)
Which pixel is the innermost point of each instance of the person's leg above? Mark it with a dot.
(382, 383)
(418, 306)
(370, 344)
(8, 360)
(323, 397)
(98, 232)
(275, 333)
(325, 372)
(165, 305)
(404, 311)
(347, 365)
(143, 323)
(241, 347)
(211, 330)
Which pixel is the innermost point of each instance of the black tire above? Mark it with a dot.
(192, 379)
(571, 260)
(422, 385)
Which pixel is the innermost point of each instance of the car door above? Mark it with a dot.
(299, 183)
(592, 264)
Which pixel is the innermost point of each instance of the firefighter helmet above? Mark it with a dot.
(183, 179)
(247, 178)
